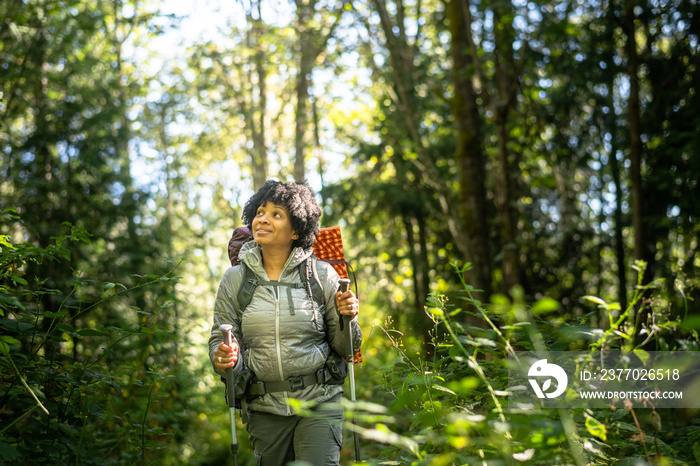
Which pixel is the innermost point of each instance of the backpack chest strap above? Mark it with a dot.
(289, 286)
(310, 283)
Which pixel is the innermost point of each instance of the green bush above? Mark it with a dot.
(81, 383)
(451, 408)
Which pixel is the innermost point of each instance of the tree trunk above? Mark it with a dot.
(610, 125)
(252, 102)
(421, 276)
(641, 250)
(634, 123)
(45, 172)
(505, 203)
(260, 143)
(319, 151)
(312, 42)
(306, 60)
(619, 224)
(413, 253)
(401, 59)
(506, 79)
(469, 153)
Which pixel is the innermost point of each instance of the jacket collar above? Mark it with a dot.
(251, 255)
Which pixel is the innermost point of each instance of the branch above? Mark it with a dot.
(21, 379)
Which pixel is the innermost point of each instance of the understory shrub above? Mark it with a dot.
(451, 407)
(86, 371)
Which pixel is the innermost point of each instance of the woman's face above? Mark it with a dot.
(272, 226)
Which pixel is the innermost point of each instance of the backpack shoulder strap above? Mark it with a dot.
(247, 288)
(309, 275)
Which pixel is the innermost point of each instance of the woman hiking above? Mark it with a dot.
(284, 340)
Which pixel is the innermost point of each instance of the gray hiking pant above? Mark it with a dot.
(317, 440)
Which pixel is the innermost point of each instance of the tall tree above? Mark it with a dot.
(66, 135)
(251, 95)
(615, 144)
(402, 57)
(469, 155)
(507, 70)
(635, 130)
(314, 26)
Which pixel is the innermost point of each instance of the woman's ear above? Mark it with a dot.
(294, 235)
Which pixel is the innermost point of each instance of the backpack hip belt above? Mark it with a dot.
(333, 372)
(292, 384)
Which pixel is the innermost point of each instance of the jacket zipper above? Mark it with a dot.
(278, 345)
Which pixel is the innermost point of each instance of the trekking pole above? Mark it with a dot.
(226, 330)
(350, 355)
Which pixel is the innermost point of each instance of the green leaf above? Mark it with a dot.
(68, 429)
(500, 304)
(626, 426)
(18, 279)
(91, 332)
(595, 299)
(11, 301)
(692, 322)
(65, 328)
(10, 340)
(5, 243)
(642, 355)
(444, 389)
(500, 300)
(465, 385)
(8, 452)
(65, 253)
(545, 306)
(596, 428)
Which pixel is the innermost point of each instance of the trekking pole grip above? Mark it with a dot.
(226, 330)
(344, 285)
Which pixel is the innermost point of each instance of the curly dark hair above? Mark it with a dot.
(299, 200)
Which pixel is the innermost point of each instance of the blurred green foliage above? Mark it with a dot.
(451, 408)
(116, 163)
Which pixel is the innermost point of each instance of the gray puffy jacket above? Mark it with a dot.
(279, 340)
